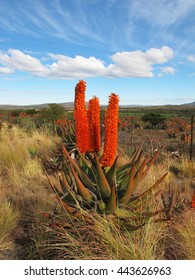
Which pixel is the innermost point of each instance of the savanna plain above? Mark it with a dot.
(97, 182)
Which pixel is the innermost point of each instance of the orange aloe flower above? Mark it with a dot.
(111, 131)
(94, 124)
(81, 119)
(59, 122)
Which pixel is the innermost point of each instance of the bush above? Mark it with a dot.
(155, 120)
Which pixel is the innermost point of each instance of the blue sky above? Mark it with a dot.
(142, 50)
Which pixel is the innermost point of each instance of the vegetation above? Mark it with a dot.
(153, 119)
(52, 113)
(127, 192)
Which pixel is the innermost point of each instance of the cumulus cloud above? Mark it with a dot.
(76, 67)
(157, 56)
(138, 63)
(130, 64)
(123, 64)
(16, 60)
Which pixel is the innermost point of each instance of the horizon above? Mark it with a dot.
(104, 104)
(144, 52)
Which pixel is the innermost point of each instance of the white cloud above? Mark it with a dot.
(5, 71)
(138, 63)
(76, 67)
(123, 64)
(159, 55)
(191, 58)
(130, 64)
(17, 60)
(167, 71)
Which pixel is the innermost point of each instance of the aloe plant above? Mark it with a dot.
(93, 180)
(86, 186)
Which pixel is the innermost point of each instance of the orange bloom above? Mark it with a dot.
(111, 131)
(81, 119)
(61, 122)
(22, 115)
(94, 124)
(193, 201)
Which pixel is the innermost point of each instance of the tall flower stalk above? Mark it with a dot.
(81, 119)
(111, 132)
(94, 124)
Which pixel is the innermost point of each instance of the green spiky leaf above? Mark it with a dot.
(111, 173)
(130, 188)
(111, 205)
(102, 182)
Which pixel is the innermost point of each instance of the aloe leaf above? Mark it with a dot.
(55, 190)
(71, 129)
(68, 191)
(70, 160)
(123, 168)
(68, 178)
(70, 209)
(66, 173)
(140, 170)
(130, 188)
(111, 173)
(138, 178)
(86, 181)
(123, 183)
(136, 154)
(86, 167)
(83, 177)
(84, 160)
(91, 158)
(120, 177)
(82, 190)
(111, 205)
(144, 195)
(102, 182)
(155, 156)
(68, 138)
(134, 160)
(137, 162)
(140, 203)
(64, 183)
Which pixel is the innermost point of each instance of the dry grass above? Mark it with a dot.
(24, 192)
(185, 236)
(21, 154)
(102, 240)
(9, 217)
(23, 186)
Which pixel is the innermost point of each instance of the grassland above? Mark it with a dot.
(25, 193)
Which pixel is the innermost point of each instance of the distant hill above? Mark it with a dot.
(67, 105)
(70, 106)
(189, 104)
